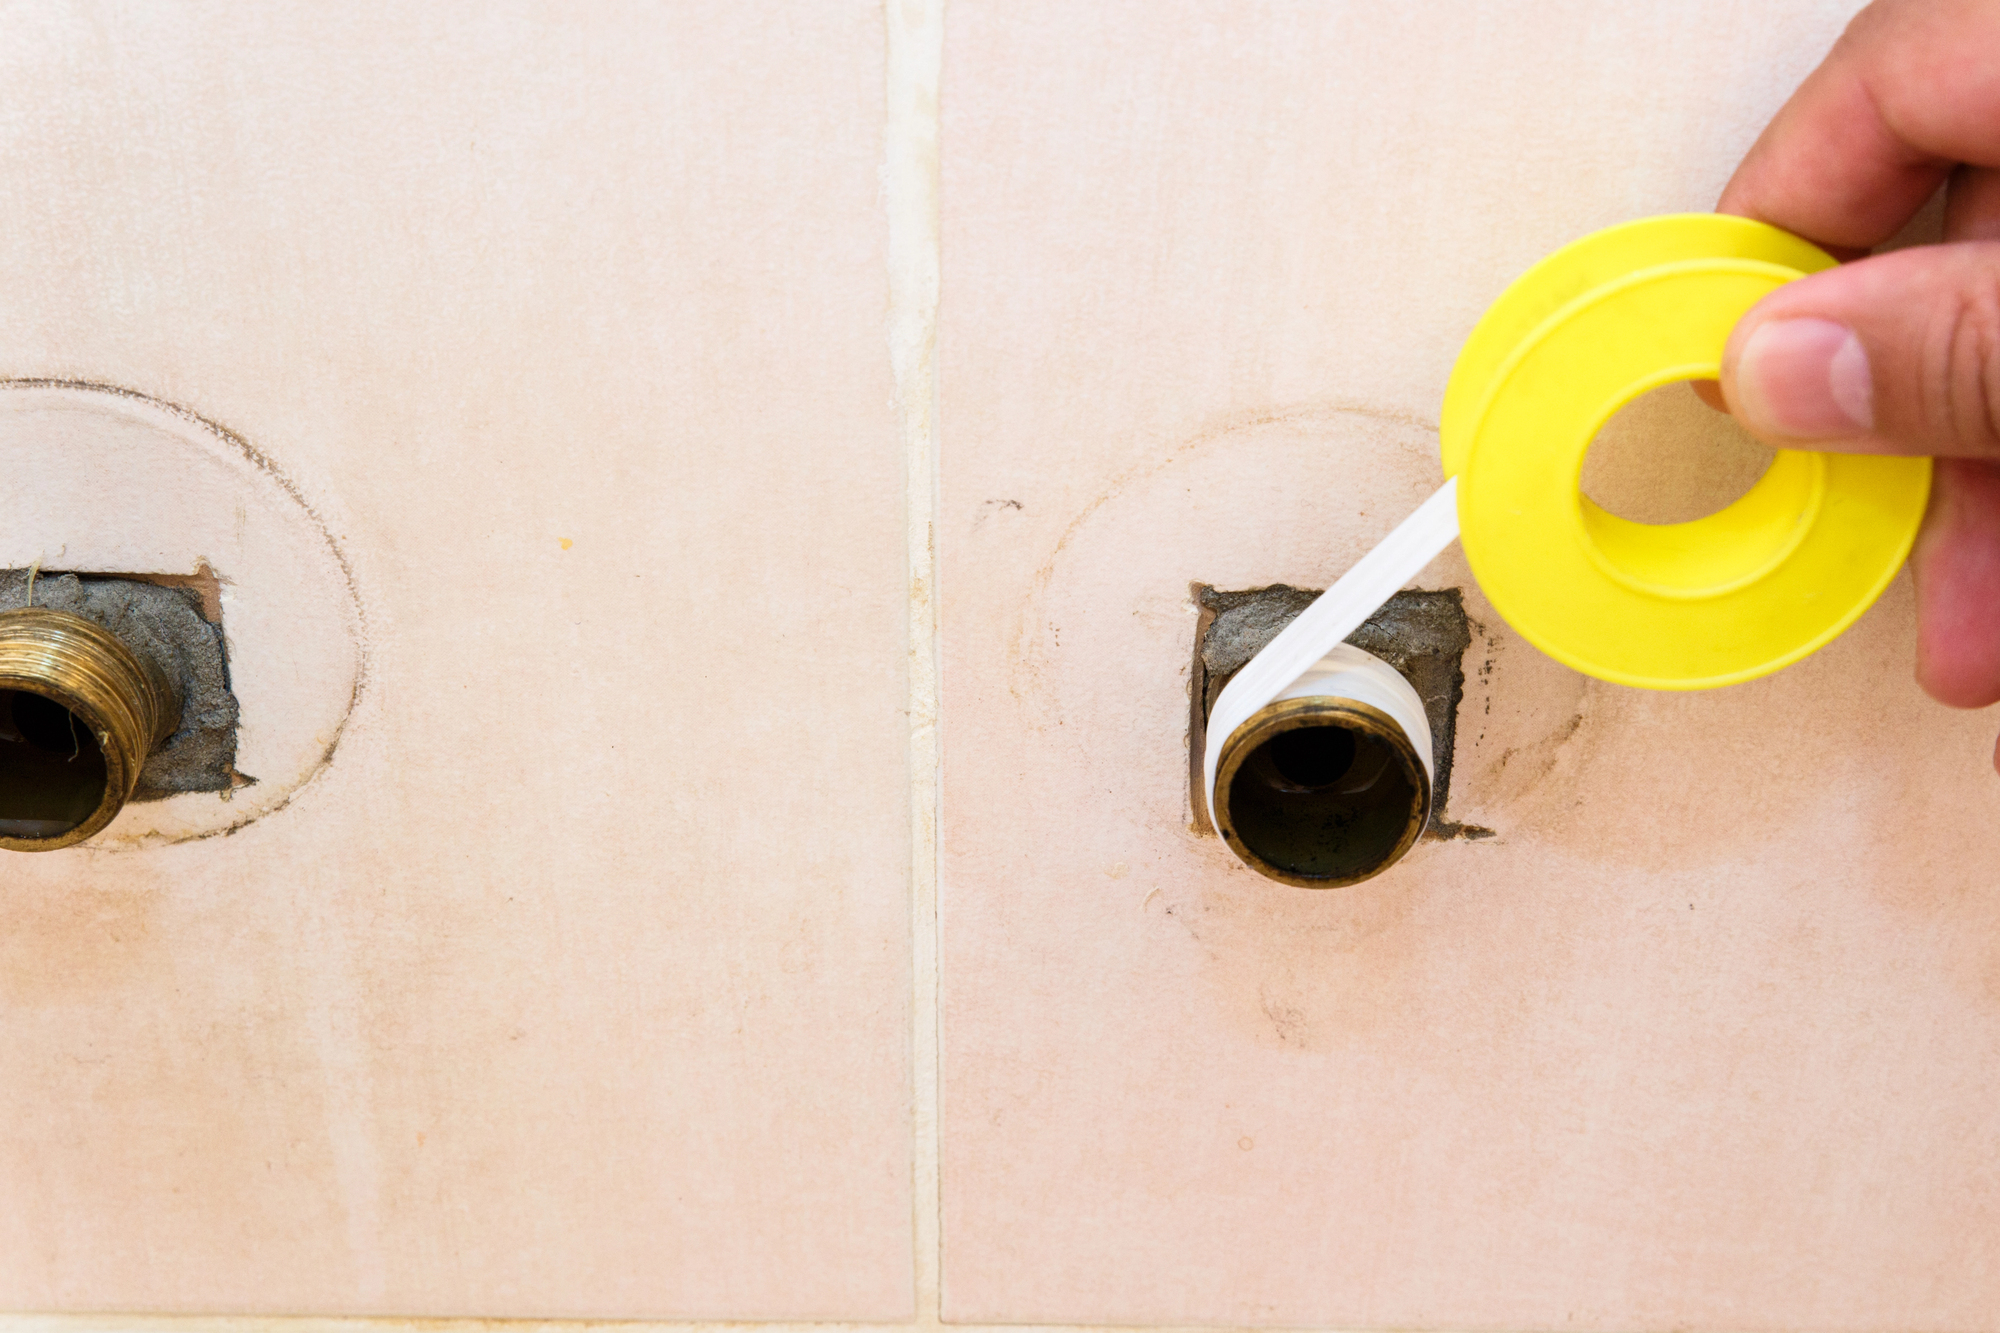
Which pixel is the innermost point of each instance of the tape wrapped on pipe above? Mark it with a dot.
(1321, 630)
(1741, 593)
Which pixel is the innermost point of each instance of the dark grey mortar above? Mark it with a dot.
(166, 627)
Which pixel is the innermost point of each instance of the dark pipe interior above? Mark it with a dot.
(52, 772)
(1322, 801)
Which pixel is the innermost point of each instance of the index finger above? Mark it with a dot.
(1911, 89)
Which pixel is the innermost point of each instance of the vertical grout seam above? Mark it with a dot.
(915, 54)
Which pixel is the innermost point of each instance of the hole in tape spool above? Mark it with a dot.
(1667, 457)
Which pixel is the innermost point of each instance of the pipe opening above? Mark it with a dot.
(79, 713)
(52, 770)
(1309, 759)
(1321, 791)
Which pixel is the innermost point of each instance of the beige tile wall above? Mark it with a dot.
(1709, 1034)
(578, 984)
(604, 974)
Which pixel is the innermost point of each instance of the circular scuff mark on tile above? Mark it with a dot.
(107, 481)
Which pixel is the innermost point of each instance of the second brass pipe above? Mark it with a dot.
(126, 702)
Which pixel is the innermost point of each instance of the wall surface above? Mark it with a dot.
(576, 983)
(1709, 1034)
(770, 449)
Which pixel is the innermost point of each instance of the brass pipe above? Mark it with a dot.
(1321, 791)
(79, 713)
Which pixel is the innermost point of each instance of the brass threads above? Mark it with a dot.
(1320, 791)
(66, 682)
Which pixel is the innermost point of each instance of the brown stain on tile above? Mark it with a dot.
(71, 941)
(1657, 782)
(1647, 786)
(128, 1024)
(1298, 969)
(182, 1100)
(1840, 748)
(1408, 967)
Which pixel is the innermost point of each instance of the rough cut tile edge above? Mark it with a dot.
(914, 33)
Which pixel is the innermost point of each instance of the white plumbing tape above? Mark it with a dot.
(1307, 657)
(1347, 672)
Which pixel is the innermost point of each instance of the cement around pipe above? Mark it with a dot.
(107, 482)
(1423, 635)
(165, 626)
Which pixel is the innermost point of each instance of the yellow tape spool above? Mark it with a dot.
(1680, 606)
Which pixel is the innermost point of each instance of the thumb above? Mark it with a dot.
(1895, 354)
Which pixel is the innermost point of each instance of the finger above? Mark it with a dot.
(1895, 354)
(1972, 205)
(1906, 93)
(1957, 567)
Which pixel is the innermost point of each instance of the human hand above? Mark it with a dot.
(1899, 353)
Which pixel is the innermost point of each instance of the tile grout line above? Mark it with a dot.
(915, 51)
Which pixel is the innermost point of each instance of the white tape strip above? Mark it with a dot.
(1334, 614)
(1346, 672)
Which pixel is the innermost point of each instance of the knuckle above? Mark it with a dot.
(1962, 376)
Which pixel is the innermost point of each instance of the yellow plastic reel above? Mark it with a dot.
(1681, 606)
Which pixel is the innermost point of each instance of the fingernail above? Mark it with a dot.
(1805, 378)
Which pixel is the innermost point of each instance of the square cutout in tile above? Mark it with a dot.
(1422, 634)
